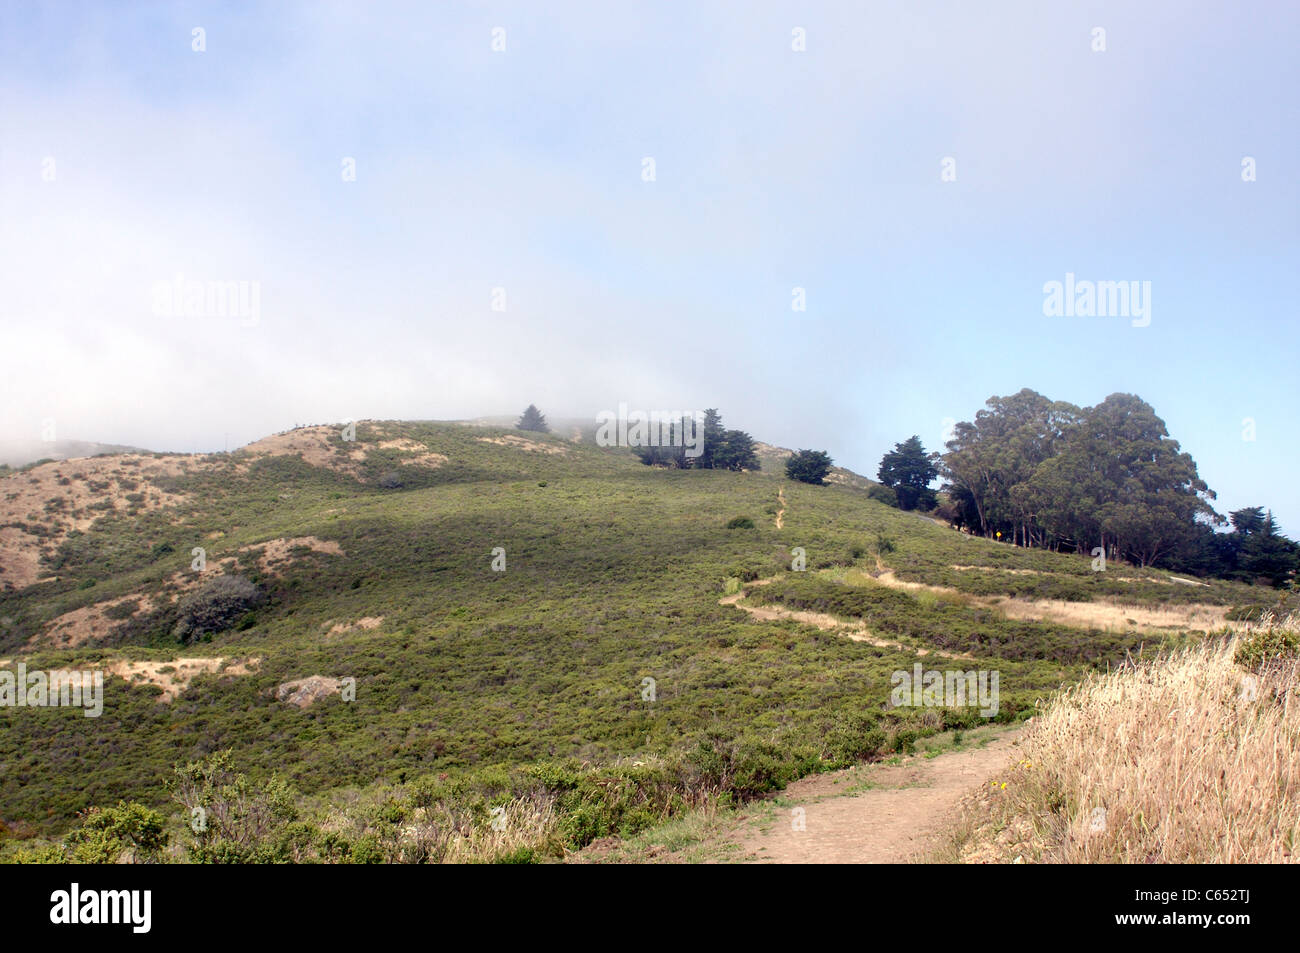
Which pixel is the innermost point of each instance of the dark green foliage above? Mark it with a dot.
(533, 419)
(908, 470)
(735, 451)
(1052, 475)
(214, 607)
(882, 494)
(809, 466)
(740, 522)
(719, 449)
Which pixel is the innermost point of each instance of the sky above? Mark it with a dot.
(921, 170)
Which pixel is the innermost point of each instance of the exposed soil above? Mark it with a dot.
(523, 443)
(855, 631)
(179, 674)
(897, 819)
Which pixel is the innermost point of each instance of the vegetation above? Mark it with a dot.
(718, 448)
(216, 606)
(1107, 774)
(1048, 474)
(908, 470)
(533, 419)
(809, 466)
(524, 689)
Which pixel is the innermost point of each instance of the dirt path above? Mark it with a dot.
(780, 514)
(828, 623)
(872, 814)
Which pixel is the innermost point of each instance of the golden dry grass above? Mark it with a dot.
(528, 822)
(1105, 614)
(1112, 616)
(1187, 758)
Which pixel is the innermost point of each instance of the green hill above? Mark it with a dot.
(526, 688)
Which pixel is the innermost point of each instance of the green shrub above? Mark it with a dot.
(882, 494)
(740, 522)
(1267, 645)
(106, 834)
(214, 607)
(234, 820)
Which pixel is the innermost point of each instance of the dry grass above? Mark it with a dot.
(441, 835)
(523, 443)
(1112, 616)
(1188, 758)
(1104, 614)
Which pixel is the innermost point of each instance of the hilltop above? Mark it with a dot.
(433, 620)
(21, 453)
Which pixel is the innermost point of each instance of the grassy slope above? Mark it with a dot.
(614, 575)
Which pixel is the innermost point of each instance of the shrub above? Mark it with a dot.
(883, 494)
(215, 607)
(122, 610)
(237, 821)
(809, 466)
(110, 835)
(740, 522)
(1273, 642)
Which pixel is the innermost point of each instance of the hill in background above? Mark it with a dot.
(433, 620)
(19, 454)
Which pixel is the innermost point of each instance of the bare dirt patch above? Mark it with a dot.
(315, 445)
(274, 555)
(854, 631)
(423, 456)
(175, 676)
(1104, 614)
(323, 446)
(1010, 572)
(904, 810)
(1113, 616)
(523, 443)
(366, 622)
(20, 558)
(87, 625)
(41, 506)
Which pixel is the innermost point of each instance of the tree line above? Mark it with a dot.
(1046, 473)
(719, 448)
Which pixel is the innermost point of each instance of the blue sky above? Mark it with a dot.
(775, 169)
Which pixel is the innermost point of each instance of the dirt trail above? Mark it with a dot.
(828, 623)
(780, 514)
(897, 819)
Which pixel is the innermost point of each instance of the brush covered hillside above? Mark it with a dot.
(438, 642)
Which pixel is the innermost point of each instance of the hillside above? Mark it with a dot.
(526, 689)
(21, 453)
